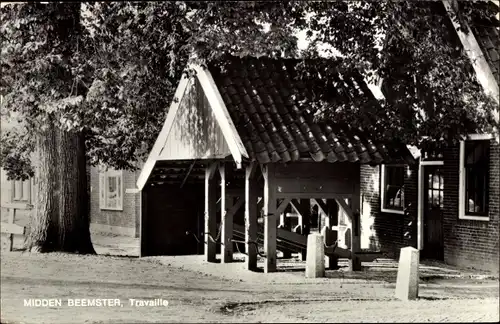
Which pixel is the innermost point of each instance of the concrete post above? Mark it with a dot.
(315, 262)
(407, 280)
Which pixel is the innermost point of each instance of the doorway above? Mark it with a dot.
(433, 182)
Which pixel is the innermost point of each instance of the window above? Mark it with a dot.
(392, 190)
(111, 189)
(21, 190)
(474, 179)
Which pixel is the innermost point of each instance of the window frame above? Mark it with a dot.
(23, 195)
(104, 176)
(462, 179)
(383, 189)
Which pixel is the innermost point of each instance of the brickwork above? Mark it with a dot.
(126, 218)
(387, 229)
(471, 243)
(467, 243)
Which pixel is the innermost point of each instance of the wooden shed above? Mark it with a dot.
(240, 137)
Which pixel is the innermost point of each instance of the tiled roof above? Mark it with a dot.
(486, 31)
(488, 37)
(267, 106)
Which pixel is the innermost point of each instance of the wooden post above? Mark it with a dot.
(270, 218)
(333, 216)
(305, 211)
(12, 218)
(10, 227)
(226, 219)
(210, 210)
(285, 224)
(251, 216)
(355, 264)
(143, 223)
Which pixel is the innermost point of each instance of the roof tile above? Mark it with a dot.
(277, 125)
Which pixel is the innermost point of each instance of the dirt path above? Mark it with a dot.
(199, 294)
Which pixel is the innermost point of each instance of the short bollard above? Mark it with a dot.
(407, 280)
(315, 262)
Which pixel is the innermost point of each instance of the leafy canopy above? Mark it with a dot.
(129, 57)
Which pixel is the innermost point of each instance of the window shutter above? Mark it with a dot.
(26, 190)
(18, 190)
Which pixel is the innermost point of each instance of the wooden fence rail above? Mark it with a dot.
(11, 228)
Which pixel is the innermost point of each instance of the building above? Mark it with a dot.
(16, 192)
(446, 204)
(114, 203)
(244, 132)
(452, 198)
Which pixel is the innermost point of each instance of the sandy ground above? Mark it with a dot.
(201, 292)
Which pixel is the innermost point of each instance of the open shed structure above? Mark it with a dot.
(240, 137)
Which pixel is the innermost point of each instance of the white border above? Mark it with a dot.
(382, 191)
(461, 177)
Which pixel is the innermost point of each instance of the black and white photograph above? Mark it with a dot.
(249, 161)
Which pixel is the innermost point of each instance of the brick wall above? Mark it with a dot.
(467, 243)
(471, 243)
(114, 220)
(383, 231)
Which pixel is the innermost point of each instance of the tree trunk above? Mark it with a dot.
(60, 220)
(74, 233)
(43, 236)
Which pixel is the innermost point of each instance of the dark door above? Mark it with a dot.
(433, 213)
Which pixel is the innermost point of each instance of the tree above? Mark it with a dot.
(41, 66)
(141, 51)
(117, 76)
(432, 97)
(104, 88)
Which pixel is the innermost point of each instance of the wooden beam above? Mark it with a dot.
(284, 204)
(188, 173)
(333, 224)
(143, 222)
(210, 210)
(347, 210)
(303, 208)
(162, 137)
(226, 219)
(12, 229)
(235, 207)
(355, 263)
(235, 192)
(308, 195)
(270, 218)
(282, 221)
(210, 169)
(288, 187)
(322, 212)
(476, 56)
(251, 211)
(17, 205)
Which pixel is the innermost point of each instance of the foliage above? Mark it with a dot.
(432, 97)
(129, 57)
(40, 80)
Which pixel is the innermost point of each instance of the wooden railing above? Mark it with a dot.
(11, 228)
